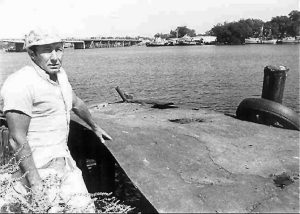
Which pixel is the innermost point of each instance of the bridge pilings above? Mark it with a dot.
(84, 43)
(79, 45)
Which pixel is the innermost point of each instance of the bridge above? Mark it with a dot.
(81, 43)
(18, 44)
(101, 42)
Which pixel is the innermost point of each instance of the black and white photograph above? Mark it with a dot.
(149, 106)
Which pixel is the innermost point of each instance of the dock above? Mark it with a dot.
(187, 160)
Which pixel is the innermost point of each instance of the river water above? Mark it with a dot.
(212, 77)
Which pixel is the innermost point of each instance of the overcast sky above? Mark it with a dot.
(130, 17)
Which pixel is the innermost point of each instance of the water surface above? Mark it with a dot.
(213, 77)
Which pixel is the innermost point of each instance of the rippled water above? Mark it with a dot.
(213, 77)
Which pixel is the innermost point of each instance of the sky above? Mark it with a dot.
(87, 18)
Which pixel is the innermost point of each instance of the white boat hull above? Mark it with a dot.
(290, 40)
(252, 41)
(271, 41)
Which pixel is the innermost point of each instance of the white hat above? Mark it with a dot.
(39, 37)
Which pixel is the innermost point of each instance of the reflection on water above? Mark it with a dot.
(213, 77)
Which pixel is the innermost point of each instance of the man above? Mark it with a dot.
(37, 104)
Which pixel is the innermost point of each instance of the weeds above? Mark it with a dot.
(12, 201)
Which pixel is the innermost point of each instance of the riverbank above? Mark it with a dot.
(196, 160)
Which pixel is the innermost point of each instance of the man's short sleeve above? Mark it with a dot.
(16, 96)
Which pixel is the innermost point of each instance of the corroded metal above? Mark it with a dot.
(274, 82)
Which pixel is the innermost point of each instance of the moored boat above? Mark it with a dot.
(261, 38)
(157, 42)
(269, 41)
(153, 44)
(252, 40)
(184, 43)
(289, 40)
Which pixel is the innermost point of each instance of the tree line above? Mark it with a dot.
(177, 33)
(236, 32)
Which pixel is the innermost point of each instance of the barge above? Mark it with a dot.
(193, 160)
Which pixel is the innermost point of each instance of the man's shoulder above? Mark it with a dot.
(26, 71)
(23, 75)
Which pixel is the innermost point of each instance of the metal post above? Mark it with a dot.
(121, 94)
(274, 82)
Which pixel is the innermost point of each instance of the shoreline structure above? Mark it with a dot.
(17, 45)
(195, 160)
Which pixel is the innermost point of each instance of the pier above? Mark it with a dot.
(194, 160)
(188, 160)
(81, 43)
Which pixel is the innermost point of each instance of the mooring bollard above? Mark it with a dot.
(274, 82)
(268, 109)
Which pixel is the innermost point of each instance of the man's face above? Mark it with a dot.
(49, 57)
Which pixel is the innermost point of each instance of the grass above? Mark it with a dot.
(12, 201)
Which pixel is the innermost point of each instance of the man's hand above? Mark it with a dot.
(81, 110)
(102, 134)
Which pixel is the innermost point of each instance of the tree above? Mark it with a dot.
(254, 26)
(236, 32)
(161, 35)
(181, 31)
(232, 32)
(222, 33)
(283, 26)
(280, 26)
(294, 16)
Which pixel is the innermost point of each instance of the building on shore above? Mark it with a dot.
(208, 40)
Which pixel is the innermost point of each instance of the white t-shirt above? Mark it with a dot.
(48, 103)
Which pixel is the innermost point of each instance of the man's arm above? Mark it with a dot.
(81, 110)
(18, 124)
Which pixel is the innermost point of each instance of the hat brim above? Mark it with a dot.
(43, 42)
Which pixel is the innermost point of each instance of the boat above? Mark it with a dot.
(260, 41)
(261, 38)
(269, 41)
(185, 41)
(253, 40)
(209, 40)
(156, 44)
(289, 40)
(257, 40)
(269, 38)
